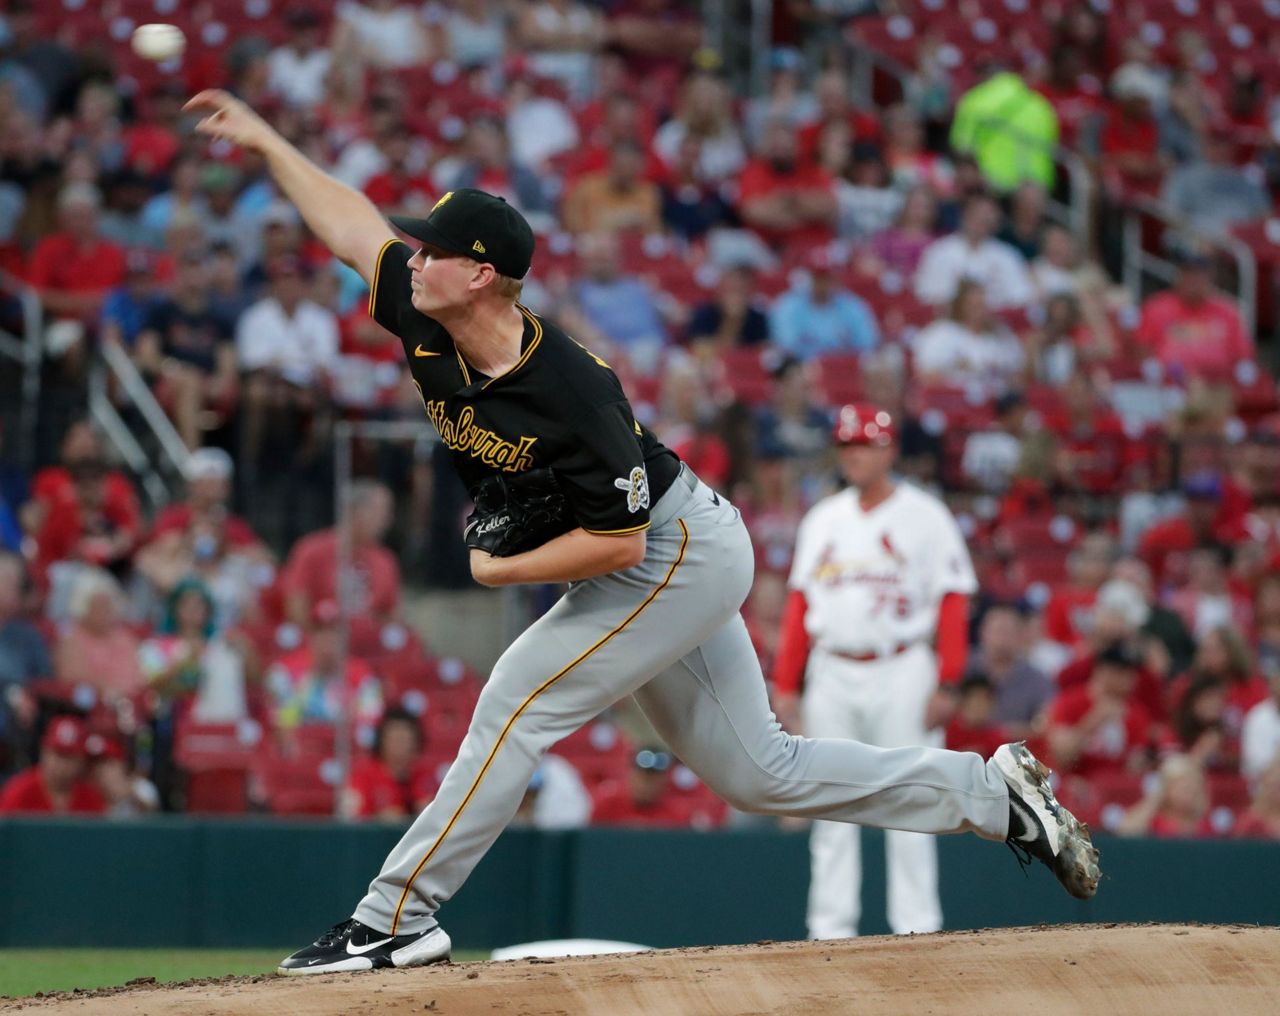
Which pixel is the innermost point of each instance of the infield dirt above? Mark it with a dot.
(1075, 970)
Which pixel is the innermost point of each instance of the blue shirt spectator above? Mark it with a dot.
(822, 318)
(126, 307)
(622, 310)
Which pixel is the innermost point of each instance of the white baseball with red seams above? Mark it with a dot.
(873, 581)
(158, 42)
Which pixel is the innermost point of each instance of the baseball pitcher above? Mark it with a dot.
(658, 567)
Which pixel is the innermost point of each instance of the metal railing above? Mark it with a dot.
(1140, 262)
(114, 362)
(26, 349)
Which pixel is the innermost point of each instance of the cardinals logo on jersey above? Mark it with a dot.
(890, 549)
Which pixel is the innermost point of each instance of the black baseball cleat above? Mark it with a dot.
(1040, 827)
(353, 946)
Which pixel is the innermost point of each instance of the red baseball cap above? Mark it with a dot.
(64, 735)
(864, 423)
(98, 747)
(325, 613)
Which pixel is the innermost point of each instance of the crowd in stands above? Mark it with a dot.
(745, 264)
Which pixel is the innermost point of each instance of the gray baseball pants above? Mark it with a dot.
(667, 632)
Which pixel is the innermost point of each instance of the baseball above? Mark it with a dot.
(158, 42)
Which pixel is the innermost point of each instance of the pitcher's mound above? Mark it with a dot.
(1076, 970)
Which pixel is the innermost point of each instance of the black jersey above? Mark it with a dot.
(560, 407)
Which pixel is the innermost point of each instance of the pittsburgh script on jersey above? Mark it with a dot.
(462, 435)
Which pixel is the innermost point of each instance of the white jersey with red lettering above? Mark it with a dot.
(873, 580)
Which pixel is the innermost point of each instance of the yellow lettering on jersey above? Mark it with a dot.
(464, 435)
(639, 432)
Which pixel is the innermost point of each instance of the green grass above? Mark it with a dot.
(26, 971)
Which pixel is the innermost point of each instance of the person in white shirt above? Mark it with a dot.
(974, 253)
(1260, 737)
(968, 347)
(287, 347)
(297, 70)
(381, 33)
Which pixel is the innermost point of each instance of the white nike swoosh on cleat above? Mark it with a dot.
(360, 950)
(1029, 834)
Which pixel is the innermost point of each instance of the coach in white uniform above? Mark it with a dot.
(881, 576)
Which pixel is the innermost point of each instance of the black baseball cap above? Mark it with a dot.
(478, 225)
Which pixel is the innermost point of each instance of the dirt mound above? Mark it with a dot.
(1169, 970)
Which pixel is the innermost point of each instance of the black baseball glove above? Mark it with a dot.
(518, 513)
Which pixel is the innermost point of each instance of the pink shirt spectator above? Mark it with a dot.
(108, 663)
(312, 564)
(1206, 338)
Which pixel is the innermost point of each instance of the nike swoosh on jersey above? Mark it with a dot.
(359, 950)
(424, 352)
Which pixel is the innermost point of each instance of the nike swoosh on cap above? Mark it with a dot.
(424, 352)
(358, 950)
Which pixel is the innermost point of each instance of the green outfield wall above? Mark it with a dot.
(185, 882)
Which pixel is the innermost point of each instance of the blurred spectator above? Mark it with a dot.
(475, 31)
(733, 319)
(96, 649)
(1189, 329)
(992, 455)
(561, 38)
(54, 487)
(1166, 544)
(309, 575)
(24, 658)
(555, 797)
(152, 141)
(489, 165)
(1186, 115)
(127, 193)
(793, 424)
(1002, 657)
(1211, 193)
(1024, 228)
(911, 165)
(226, 224)
(390, 782)
(691, 204)
(1222, 655)
(1177, 805)
(786, 201)
(287, 345)
(866, 203)
(92, 526)
(1263, 817)
(185, 349)
(836, 109)
(1010, 129)
(786, 101)
(280, 234)
(688, 422)
(899, 248)
(1068, 616)
(645, 799)
(127, 307)
(208, 474)
(618, 198)
(190, 664)
(403, 185)
(1129, 140)
(1162, 624)
(1100, 727)
(125, 791)
(383, 34)
(1260, 740)
(974, 727)
(1058, 270)
(619, 308)
(298, 68)
(305, 687)
(973, 254)
(1207, 601)
(74, 268)
(45, 72)
(183, 195)
(822, 317)
(56, 784)
(614, 117)
(657, 39)
(539, 126)
(1199, 727)
(968, 346)
(705, 114)
(1073, 95)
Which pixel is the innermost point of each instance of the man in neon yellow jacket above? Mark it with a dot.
(1009, 129)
